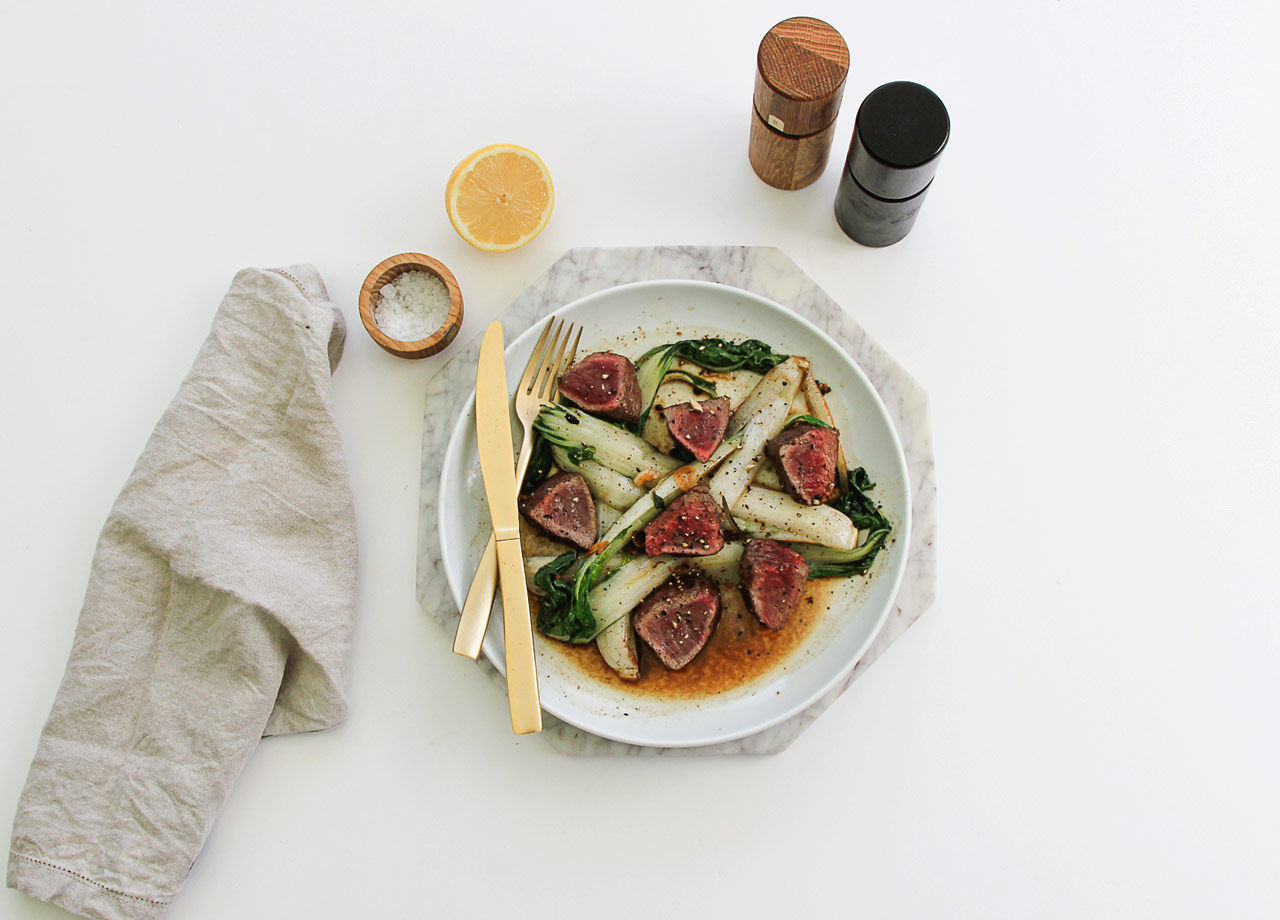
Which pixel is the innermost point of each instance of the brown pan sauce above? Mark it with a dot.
(739, 651)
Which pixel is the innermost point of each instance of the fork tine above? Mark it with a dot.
(564, 360)
(573, 352)
(535, 361)
(548, 367)
(547, 384)
(562, 366)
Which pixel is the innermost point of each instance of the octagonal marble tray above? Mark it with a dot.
(765, 271)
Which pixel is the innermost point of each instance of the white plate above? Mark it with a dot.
(649, 313)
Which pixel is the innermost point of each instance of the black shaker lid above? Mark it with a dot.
(901, 131)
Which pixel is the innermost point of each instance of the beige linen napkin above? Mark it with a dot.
(219, 610)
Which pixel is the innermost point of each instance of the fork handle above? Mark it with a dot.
(479, 601)
(475, 609)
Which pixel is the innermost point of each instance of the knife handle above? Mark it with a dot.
(475, 609)
(522, 669)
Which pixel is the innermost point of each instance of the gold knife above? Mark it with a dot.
(497, 466)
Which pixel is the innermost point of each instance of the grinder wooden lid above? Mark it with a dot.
(800, 71)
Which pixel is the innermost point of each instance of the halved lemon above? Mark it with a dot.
(499, 197)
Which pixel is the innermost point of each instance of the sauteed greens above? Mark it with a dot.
(556, 616)
(710, 353)
(720, 355)
(825, 562)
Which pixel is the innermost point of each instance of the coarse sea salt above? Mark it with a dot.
(412, 306)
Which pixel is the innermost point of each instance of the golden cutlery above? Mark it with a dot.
(551, 357)
(493, 437)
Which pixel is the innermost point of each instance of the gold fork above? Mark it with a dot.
(536, 388)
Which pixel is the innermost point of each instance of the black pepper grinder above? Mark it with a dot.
(898, 138)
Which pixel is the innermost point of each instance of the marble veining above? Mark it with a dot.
(765, 271)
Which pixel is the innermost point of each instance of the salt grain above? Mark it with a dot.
(412, 306)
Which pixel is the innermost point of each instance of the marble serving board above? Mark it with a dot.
(765, 271)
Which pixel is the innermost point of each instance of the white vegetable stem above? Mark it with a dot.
(614, 598)
(657, 433)
(606, 516)
(722, 567)
(767, 477)
(736, 385)
(531, 566)
(809, 523)
(614, 447)
(607, 486)
(617, 645)
(768, 406)
(673, 391)
(756, 529)
(767, 388)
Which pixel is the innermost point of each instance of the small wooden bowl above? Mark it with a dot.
(390, 269)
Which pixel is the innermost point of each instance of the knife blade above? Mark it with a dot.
(497, 467)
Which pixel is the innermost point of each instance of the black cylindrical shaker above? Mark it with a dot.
(898, 138)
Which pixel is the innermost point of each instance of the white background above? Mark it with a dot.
(1084, 724)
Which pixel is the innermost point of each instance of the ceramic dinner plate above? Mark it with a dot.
(651, 313)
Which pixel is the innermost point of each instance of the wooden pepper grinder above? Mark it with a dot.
(800, 72)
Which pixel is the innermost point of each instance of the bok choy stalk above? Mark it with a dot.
(675, 388)
(810, 523)
(826, 562)
(607, 486)
(617, 596)
(750, 528)
(584, 437)
(722, 566)
(775, 384)
(767, 478)
(768, 405)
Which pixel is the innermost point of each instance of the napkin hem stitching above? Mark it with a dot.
(84, 878)
(298, 284)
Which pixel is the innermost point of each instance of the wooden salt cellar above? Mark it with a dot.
(800, 71)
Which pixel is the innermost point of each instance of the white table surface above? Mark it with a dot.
(1084, 725)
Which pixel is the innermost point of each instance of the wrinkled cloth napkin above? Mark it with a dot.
(219, 610)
